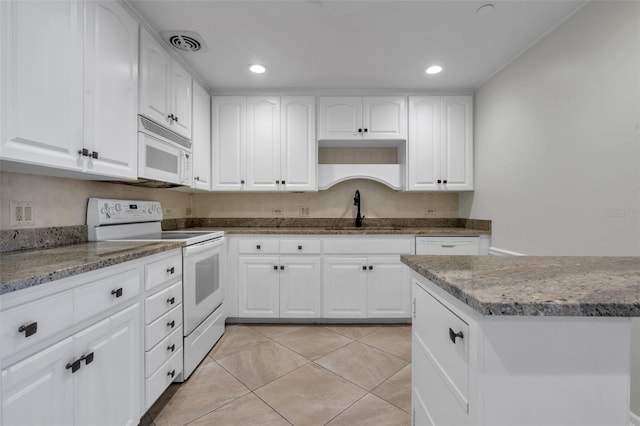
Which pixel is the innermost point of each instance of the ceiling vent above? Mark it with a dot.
(185, 40)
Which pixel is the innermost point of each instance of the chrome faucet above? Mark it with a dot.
(356, 202)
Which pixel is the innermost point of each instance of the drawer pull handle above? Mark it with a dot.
(299, 247)
(453, 335)
(447, 245)
(171, 323)
(171, 373)
(29, 329)
(171, 301)
(74, 366)
(171, 348)
(171, 270)
(117, 292)
(88, 358)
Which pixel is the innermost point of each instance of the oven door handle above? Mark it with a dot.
(204, 246)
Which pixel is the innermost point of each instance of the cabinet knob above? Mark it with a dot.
(439, 180)
(366, 130)
(171, 301)
(171, 270)
(364, 268)
(359, 130)
(370, 267)
(74, 365)
(94, 155)
(453, 335)
(197, 178)
(444, 181)
(29, 329)
(88, 358)
(117, 292)
(283, 182)
(277, 182)
(258, 247)
(84, 152)
(171, 348)
(275, 267)
(242, 181)
(171, 323)
(171, 117)
(282, 267)
(299, 247)
(171, 373)
(176, 118)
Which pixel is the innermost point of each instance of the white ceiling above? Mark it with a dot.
(366, 44)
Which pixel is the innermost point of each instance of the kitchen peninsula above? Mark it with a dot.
(522, 340)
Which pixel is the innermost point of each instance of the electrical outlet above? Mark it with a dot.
(21, 213)
(188, 211)
(167, 211)
(277, 211)
(304, 211)
(429, 212)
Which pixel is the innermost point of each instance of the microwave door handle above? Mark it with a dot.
(204, 246)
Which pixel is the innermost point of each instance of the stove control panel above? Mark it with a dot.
(101, 211)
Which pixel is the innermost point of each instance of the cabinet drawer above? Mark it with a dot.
(435, 327)
(159, 303)
(300, 246)
(50, 316)
(161, 327)
(448, 245)
(162, 271)
(364, 246)
(105, 293)
(162, 351)
(259, 245)
(162, 378)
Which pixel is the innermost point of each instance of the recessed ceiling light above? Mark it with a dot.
(485, 9)
(434, 69)
(257, 68)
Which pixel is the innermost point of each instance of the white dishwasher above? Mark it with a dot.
(448, 245)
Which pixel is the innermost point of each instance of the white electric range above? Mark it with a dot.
(203, 266)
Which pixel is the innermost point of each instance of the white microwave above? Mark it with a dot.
(163, 155)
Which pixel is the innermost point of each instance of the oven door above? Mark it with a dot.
(203, 271)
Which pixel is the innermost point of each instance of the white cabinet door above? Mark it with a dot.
(384, 117)
(201, 138)
(39, 389)
(258, 286)
(263, 143)
(457, 142)
(345, 287)
(340, 117)
(299, 154)
(425, 114)
(228, 142)
(181, 100)
(388, 288)
(42, 101)
(111, 98)
(300, 287)
(155, 83)
(440, 145)
(107, 390)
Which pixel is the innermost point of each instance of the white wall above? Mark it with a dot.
(557, 140)
(557, 165)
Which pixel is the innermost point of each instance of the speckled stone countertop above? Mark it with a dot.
(23, 269)
(346, 230)
(537, 286)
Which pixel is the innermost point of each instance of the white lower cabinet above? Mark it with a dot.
(259, 287)
(87, 372)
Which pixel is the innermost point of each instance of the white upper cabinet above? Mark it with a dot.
(357, 118)
(440, 144)
(165, 87)
(63, 106)
(298, 149)
(264, 143)
(42, 74)
(111, 98)
(201, 138)
(228, 142)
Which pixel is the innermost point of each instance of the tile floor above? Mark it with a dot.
(296, 375)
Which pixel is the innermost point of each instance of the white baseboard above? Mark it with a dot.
(493, 251)
(635, 419)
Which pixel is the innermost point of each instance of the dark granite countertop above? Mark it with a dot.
(348, 230)
(537, 286)
(23, 269)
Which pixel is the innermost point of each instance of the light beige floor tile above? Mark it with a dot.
(354, 332)
(247, 410)
(313, 342)
(310, 395)
(363, 365)
(262, 363)
(394, 340)
(397, 389)
(235, 339)
(208, 388)
(369, 411)
(273, 331)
